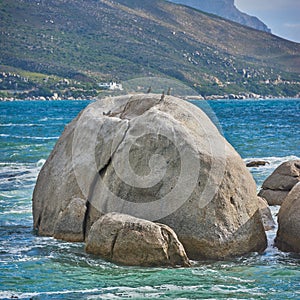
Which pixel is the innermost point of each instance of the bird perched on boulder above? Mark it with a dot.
(106, 113)
(162, 96)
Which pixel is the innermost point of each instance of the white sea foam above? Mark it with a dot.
(18, 250)
(173, 287)
(18, 125)
(273, 161)
(18, 174)
(11, 294)
(6, 195)
(54, 119)
(29, 137)
(27, 259)
(40, 163)
(227, 289)
(17, 212)
(121, 292)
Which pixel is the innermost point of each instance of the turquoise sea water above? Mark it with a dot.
(33, 267)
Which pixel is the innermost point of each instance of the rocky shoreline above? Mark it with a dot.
(242, 96)
(42, 98)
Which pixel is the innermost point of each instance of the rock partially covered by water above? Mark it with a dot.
(277, 186)
(257, 163)
(131, 241)
(157, 158)
(288, 235)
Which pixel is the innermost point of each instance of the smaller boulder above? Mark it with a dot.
(266, 214)
(131, 241)
(288, 234)
(273, 197)
(70, 222)
(257, 163)
(277, 186)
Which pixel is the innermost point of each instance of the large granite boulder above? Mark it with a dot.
(288, 234)
(131, 241)
(277, 186)
(157, 158)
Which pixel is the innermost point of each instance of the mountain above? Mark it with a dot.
(68, 47)
(225, 9)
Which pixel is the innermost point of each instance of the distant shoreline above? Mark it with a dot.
(239, 97)
(190, 97)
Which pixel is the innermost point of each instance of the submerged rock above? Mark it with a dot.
(131, 241)
(158, 158)
(277, 186)
(288, 234)
(257, 163)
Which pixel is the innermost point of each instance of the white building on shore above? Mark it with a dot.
(111, 86)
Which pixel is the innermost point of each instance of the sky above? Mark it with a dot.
(281, 16)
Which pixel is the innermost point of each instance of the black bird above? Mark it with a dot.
(149, 90)
(106, 114)
(162, 96)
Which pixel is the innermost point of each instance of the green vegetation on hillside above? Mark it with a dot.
(25, 84)
(67, 47)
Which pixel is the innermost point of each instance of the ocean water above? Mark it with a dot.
(33, 267)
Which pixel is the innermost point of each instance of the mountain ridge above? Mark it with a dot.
(226, 9)
(92, 41)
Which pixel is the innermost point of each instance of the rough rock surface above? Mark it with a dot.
(156, 158)
(69, 224)
(288, 234)
(277, 186)
(131, 241)
(266, 214)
